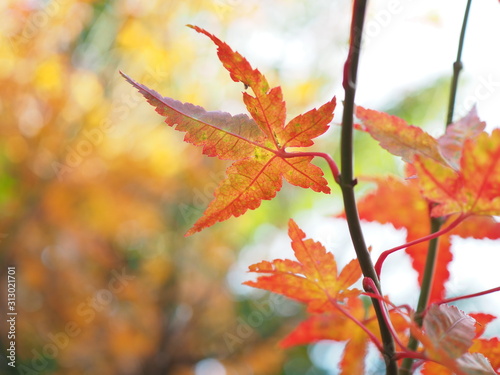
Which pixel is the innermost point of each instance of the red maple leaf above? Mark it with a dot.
(489, 347)
(399, 202)
(258, 144)
(474, 188)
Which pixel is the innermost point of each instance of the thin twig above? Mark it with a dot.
(439, 232)
(478, 294)
(457, 67)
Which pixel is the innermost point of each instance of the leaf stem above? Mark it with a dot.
(331, 163)
(370, 286)
(372, 337)
(484, 292)
(347, 181)
(433, 235)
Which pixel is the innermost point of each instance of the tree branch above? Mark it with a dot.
(347, 181)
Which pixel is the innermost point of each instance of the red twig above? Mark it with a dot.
(370, 286)
(385, 254)
(370, 334)
(484, 292)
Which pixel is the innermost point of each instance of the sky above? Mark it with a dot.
(407, 45)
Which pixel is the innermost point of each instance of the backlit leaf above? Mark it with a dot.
(399, 202)
(447, 335)
(452, 142)
(482, 320)
(450, 329)
(475, 364)
(312, 279)
(397, 137)
(474, 189)
(336, 326)
(490, 348)
(257, 144)
(468, 364)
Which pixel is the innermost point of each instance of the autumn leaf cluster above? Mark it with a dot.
(455, 178)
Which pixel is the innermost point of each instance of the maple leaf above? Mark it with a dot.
(258, 144)
(336, 327)
(446, 335)
(460, 171)
(399, 202)
(396, 136)
(482, 320)
(475, 188)
(481, 351)
(327, 326)
(490, 348)
(450, 330)
(312, 279)
(452, 142)
(468, 364)
(408, 141)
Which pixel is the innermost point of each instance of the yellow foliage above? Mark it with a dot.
(96, 193)
(48, 76)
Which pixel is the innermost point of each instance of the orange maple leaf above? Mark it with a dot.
(475, 188)
(258, 144)
(396, 136)
(312, 279)
(400, 203)
(408, 141)
(460, 171)
(489, 347)
(452, 142)
(336, 327)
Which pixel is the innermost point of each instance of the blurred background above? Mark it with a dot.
(96, 192)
